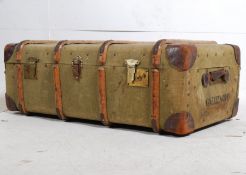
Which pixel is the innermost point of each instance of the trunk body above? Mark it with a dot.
(176, 86)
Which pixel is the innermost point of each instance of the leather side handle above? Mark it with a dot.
(213, 76)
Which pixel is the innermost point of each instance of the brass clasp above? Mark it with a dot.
(30, 68)
(77, 67)
(131, 69)
(136, 76)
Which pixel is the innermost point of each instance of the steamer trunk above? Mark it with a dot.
(177, 86)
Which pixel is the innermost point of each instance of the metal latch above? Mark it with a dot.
(30, 68)
(77, 67)
(136, 76)
(131, 69)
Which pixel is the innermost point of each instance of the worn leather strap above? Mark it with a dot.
(19, 53)
(155, 84)
(61, 44)
(156, 53)
(57, 81)
(104, 48)
(56, 72)
(102, 96)
(102, 78)
(155, 117)
(102, 82)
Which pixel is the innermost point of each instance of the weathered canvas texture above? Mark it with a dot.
(195, 84)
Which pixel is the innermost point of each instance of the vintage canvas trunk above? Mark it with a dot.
(177, 86)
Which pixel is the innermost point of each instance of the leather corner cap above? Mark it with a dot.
(8, 51)
(237, 53)
(181, 56)
(235, 108)
(180, 123)
(10, 103)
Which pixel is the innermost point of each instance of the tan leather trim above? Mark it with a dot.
(102, 78)
(104, 49)
(19, 53)
(155, 84)
(62, 43)
(21, 100)
(155, 116)
(102, 96)
(56, 72)
(156, 53)
(58, 92)
(21, 45)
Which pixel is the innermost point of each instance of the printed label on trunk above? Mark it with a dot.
(217, 99)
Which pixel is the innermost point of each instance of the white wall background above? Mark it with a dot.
(31, 145)
(223, 21)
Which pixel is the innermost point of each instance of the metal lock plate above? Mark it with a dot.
(138, 77)
(30, 68)
(77, 67)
